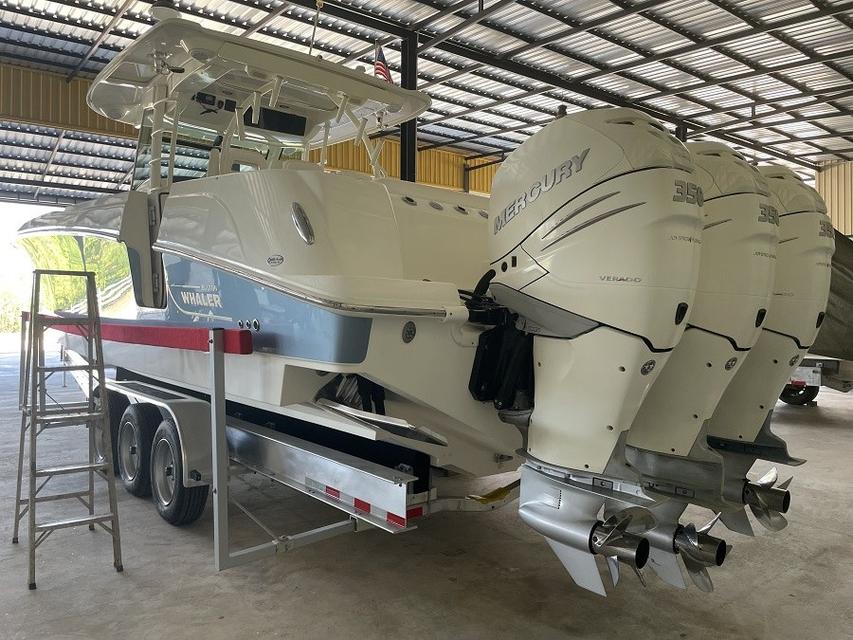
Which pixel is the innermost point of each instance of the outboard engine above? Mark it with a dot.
(736, 274)
(739, 429)
(596, 228)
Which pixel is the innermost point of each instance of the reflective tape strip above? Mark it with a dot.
(363, 505)
(414, 512)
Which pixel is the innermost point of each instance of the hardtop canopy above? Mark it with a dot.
(215, 80)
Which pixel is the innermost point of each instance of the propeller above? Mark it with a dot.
(612, 540)
(710, 525)
(767, 501)
(700, 550)
(737, 521)
(769, 479)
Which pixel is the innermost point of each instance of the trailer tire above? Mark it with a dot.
(799, 397)
(132, 446)
(177, 504)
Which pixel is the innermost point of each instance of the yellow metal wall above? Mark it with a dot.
(834, 182)
(44, 98)
(435, 166)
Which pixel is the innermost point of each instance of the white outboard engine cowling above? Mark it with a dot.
(739, 430)
(736, 273)
(596, 230)
(804, 261)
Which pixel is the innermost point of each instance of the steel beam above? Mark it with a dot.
(478, 136)
(761, 148)
(119, 14)
(51, 158)
(448, 10)
(710, 43)
(263, 22)
(754, 73)
(355, 16)
(565, 33)
(29, 198)
(813, 119)
(807, 98)
(468, 22)
(848, 136)
(409, 129)
(483, 165)
(57, 185)
(759, 117)
(492, 105)
(483, 155)
(451, 140)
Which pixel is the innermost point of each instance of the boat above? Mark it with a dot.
(432, 332)
(835, 339)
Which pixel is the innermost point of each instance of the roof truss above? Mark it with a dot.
(498, 70)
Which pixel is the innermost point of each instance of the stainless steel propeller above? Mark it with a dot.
(737, 521)
(612, 540)
(767, 501)
(700, 550)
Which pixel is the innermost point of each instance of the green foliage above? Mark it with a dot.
(57, 252)
(10, 312)
(107, 258)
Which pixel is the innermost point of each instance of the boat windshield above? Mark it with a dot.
(191, 156)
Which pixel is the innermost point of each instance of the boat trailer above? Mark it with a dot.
(214, 446)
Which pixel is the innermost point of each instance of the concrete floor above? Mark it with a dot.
(457, 576)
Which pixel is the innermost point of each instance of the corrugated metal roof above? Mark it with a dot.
(47, 161)
(710, 61)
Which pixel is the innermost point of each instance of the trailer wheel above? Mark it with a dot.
(176, 503)
(133, 447)
(799, 396)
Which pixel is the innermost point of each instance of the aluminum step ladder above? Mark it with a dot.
(41, 412)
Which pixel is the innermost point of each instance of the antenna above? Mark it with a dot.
(163, 10)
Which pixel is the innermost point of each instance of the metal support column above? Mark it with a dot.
(224, 558)
(681, 132)
(221, 542)
(409, 130)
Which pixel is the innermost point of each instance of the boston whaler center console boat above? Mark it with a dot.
(582, 323)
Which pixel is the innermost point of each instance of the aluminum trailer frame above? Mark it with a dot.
(214, 445)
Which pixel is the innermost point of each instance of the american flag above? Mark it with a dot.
(380, 67)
